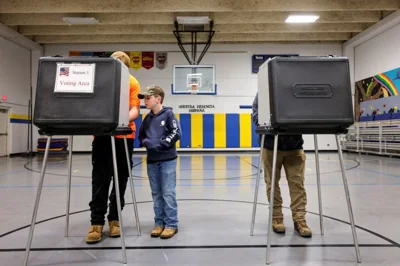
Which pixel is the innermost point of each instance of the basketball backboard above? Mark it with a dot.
(194, 79)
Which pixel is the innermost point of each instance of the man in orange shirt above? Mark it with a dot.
(103, 169)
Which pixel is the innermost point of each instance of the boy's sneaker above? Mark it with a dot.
(94, 234)
(302, 228)
(157, 231)
(168, 233)
(278, 226)
(114, 229)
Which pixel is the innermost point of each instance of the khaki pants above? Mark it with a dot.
(294, 165)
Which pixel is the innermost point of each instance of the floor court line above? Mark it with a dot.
(392, 242)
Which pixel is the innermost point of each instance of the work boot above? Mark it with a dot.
(114, 229)
(302, 228)
(157, 231)
(94, 234)
(278, 226)
(168, 233)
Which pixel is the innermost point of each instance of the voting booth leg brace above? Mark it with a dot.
(118, 198)
(271, 205)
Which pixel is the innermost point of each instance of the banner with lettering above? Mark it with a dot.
(161, 60)
(136, 60)
(148, 60)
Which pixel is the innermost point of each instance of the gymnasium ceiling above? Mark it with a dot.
(152, 21)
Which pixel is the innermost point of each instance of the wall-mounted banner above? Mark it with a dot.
(161, 60)
(75, 53)
(148, 60)
(136, 60)
(199, 108)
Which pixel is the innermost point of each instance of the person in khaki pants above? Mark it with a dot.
(291, 156)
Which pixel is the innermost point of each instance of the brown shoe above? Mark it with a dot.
(278, 226)
(302, 228)
(168, 233)
(157, 231)
(114, 229)
(94, 234)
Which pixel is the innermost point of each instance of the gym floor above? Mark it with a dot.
(215, 193)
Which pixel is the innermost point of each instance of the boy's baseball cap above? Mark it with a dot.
(152, 90)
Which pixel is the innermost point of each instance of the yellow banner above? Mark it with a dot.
(136, 60)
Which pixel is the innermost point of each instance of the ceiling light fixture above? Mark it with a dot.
(80, 20)
(193, 20)
(301, 19)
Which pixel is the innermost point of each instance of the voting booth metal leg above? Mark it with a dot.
(69, 186)
(135, 209)
(321, 223)
(271, 201)
(257, 185)
(35, 209)
(346, 189)
(118, 198)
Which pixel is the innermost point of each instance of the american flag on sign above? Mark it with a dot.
(64, 71)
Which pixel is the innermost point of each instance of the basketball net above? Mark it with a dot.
(193, 88)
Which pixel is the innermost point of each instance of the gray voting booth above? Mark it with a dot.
(82, 96)
(304, 95)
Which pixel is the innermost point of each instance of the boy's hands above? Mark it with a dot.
(166, 142)
(153, 144)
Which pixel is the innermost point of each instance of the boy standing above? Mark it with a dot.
(158, 133)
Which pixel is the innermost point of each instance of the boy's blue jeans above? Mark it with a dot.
(162, 177)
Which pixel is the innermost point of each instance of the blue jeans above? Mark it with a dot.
(162, 177)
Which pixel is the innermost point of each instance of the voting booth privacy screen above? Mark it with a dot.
(81, 96)
(309, 95)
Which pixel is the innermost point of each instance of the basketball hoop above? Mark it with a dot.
(193, 87)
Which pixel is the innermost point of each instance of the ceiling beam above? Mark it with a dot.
(19, 39)
(262, 37)
(168, 29)
(169, 38)
(286, 28)
(168, 18)
(274, 17)
(41, 6)
(105, 18)
(95, 29)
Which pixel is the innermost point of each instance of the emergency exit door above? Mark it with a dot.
(3, 131)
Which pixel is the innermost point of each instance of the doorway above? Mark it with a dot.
(3, 131)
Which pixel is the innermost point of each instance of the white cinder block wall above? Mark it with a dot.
(236, 83)
(15, 74)
(375, 50)
(378, 54)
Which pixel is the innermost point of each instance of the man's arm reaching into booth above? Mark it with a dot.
(134, 113)
(134, 104)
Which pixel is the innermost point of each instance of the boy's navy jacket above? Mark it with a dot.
(159, 133)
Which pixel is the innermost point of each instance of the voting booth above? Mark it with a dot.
(304, 95)
(307, 94)
(82, 96)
